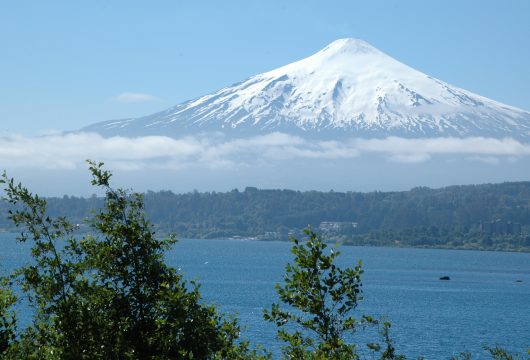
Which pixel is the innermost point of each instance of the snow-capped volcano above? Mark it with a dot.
(349, 88)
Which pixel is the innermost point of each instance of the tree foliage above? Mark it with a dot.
(109, 294)
(319, 322)
(7, 317)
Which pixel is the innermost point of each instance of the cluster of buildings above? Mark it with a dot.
(337, 226)
(500, 227)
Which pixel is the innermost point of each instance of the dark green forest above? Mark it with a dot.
(489, 216)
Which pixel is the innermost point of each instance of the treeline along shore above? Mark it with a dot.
(489, 216)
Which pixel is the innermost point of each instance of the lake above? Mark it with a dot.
(482, 304)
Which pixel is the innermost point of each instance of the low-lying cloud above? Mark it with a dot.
(128, 97)
(69, 151)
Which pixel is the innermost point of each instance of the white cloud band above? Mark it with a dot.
(70, 150)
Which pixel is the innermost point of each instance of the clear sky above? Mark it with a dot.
(66, 64)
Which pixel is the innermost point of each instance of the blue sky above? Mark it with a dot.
(66, 64)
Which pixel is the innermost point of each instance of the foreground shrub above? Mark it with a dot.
(109, 294)
(320, 300)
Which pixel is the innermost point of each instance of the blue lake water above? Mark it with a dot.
(482, 304)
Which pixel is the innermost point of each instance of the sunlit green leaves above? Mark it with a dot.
(108, 294)
(322, 297)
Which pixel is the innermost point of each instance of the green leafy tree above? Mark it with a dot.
(498, 353)
(110, 294)
(321, 299)
(7, 317)
(50, 282)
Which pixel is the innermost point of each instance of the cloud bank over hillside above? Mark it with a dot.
(69, 151)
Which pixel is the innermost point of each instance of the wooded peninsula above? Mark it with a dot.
(488, 216)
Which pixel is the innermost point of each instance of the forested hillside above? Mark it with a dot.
(471, 216)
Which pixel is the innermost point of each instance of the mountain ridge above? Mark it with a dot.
(349, 88)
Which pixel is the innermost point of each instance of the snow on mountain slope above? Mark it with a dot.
(348, 88)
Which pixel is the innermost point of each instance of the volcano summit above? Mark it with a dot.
(349, 88)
